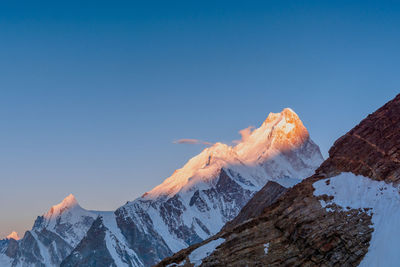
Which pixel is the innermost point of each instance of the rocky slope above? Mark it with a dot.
(52, 237)
(346, 214)
(197, 200)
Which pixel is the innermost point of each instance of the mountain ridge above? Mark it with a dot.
(198, 199)
(188, 207)
(279, 132)
(52, 237)
(346, 214)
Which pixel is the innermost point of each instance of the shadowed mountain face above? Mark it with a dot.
(52, 238)
(198, 199)
(262, 199)
(346, 214)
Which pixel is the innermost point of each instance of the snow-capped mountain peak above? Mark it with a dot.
(198, 199)
(68, 203)
(13, 235)
(52, 237)
(68, 219)
(346, 214)
(203, 166)
(280, 132)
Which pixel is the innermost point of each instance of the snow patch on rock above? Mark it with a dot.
(266, 247)
(177, 264)
(383, 199)
(197, 255)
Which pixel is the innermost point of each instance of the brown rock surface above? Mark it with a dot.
(296, 228)
(372, 148)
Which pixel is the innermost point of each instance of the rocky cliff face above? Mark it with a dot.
(371, 149)
(346, 214)
(268, 195)
(197, 200)
(52, 237)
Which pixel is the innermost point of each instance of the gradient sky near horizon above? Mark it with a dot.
(93, 94)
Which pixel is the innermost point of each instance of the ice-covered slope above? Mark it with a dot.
(279, 148)
(198, 199)
(346, 214)
(52, 237)
(382, 203)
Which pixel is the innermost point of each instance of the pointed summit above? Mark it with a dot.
(69, 200)
(290, 131)
(198, 199)
(13, 235)
(289, 112)
(68, 203)
(287, 118)
(286, 112)
(279, 133)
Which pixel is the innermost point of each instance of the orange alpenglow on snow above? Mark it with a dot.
(13, 235)
(56, 210)
(280, 132)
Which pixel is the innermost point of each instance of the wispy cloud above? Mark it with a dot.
(192, 142)
(244, 133)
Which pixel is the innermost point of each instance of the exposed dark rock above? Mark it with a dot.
(92, 250)
(262, 199)
(52, 237)
(198, 202)
(228, 191)
(30, 249)
(148, 244)
(296, 229)
(210, 190)
(12, 248)
(371, 149)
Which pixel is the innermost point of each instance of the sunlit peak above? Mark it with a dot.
(13, 235)
(286, 113)
(280, 132)
(67, 203)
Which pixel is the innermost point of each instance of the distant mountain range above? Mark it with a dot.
(194, 203)
(52, 237)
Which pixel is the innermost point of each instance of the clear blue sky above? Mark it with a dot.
(93, 93)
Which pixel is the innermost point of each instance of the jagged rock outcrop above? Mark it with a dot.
(371, 149)
(93, 244)
(346, 214)
(197, 200)
(255, 207)
(52, 237)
